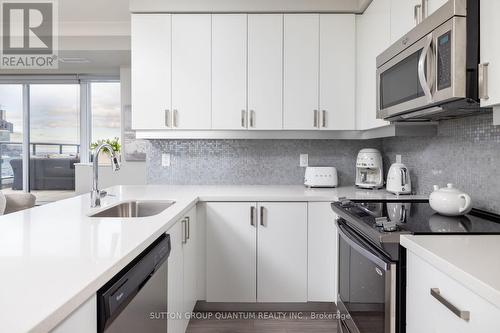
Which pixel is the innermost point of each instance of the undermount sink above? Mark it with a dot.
(135, 209)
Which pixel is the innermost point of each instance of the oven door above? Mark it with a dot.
(430, 72)
(367, 286)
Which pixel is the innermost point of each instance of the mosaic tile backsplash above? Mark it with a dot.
(249, 162)
(465, 152)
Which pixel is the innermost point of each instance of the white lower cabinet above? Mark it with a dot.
(82, 320)
(231, 252)
(282, 252)
(182, 272)
(175, 303)
(322, 253)
(426, 313)
(256, 252)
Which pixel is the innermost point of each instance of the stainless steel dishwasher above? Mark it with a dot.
(135, 299)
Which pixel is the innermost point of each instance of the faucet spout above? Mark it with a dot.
(96, 194)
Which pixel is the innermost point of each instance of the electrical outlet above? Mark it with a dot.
(165, 160)
(304, 160)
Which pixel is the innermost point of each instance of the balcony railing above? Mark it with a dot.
(13, 150)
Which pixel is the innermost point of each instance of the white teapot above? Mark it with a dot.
(450, 201)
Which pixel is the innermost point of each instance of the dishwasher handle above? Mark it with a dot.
(115, 295)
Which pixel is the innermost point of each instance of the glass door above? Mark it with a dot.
(54, 140)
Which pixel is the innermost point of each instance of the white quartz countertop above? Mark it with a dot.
(54, 257)
(473, 260)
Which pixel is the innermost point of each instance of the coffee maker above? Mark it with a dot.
(369, 169)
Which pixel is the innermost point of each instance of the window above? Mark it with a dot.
(11, 135)
(106, 110)
(65, 114)
(54, 119)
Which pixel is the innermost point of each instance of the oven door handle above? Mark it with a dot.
(421, 69)
(359, 247)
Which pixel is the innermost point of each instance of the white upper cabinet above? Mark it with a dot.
(151, 71)
(265, 71)
(301, 77)
(229, 71)
(490, 52)
(433, 5)
(243, 71)
(336, 71)
(373, 36)
(402, 17)
(191, 68)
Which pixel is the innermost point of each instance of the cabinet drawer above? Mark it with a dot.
(425, 313)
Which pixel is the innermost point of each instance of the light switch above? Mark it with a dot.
(165, 160)
(304, 160)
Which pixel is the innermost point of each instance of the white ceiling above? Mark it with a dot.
(94, 10)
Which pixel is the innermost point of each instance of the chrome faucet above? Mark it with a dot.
(96, 194)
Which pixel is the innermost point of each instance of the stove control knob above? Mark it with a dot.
(389, 226)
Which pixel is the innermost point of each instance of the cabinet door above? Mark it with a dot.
(231, 252)
(191, 66)
(433, 5)
(229, 71)
(322, 253)
(176, 279)
(301, 71)
(190, 262)
(421, 278)
(490, 48)
(265, 78)
(402, 17)
(372, 37)
(337, 68)
(282, 252)
(151, 70)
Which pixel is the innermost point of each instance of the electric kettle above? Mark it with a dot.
(398, 179)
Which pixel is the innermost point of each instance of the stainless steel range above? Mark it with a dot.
(372, 264)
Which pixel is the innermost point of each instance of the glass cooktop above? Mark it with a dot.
(417, 217)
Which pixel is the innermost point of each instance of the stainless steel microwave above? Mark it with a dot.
(431, 73)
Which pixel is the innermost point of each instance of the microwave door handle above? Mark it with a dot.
(421, 68)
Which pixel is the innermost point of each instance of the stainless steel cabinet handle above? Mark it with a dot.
(252, 118)
(188, 222)
(465, 315)
(184, 231)
(243, 118)
(323, 121)
(483, 80)
(252, 216)
(424, 9)
(262, 215)
(315, 120)
(417, 14)
(167, 117)
(174, 118)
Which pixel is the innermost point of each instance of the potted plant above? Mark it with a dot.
(104, 158)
